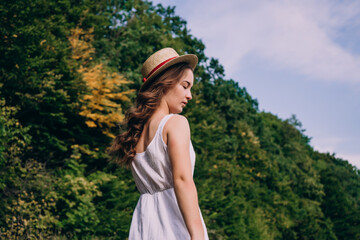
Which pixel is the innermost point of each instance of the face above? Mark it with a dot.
(177, 97)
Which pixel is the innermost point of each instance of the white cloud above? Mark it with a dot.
(313, 37)
(295, 35)
(317, 38)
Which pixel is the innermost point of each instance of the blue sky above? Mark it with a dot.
(295, 57)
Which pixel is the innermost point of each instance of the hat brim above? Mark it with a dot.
(191, 59)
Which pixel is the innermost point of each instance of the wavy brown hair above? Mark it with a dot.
(122, 149)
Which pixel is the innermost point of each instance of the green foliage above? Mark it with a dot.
(342, 196)
(257, 176)
(116, 205)
(30, 218)
(38, 75)
(26, 210)
(75, 196)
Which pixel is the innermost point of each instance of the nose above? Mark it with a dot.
(188, 96)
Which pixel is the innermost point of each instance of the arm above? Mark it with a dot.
(178, 139)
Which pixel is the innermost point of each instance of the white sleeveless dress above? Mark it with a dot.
(157, 215)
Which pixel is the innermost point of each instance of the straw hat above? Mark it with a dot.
(161, 60)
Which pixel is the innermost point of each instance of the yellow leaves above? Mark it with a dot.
(80, 41)
(109, 134)
(258, 174)
(90, 124)
(29, 216)
(82, 149)
(108, 103)
(100, 104)
(121, 96)
(47, 45)
(251, 137)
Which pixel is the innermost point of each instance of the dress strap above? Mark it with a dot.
(163, 122)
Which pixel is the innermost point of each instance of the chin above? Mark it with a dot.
(176, 111)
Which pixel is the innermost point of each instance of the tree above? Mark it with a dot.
(67, 74)
(98, 104)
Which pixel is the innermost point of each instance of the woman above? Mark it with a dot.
(157, 147)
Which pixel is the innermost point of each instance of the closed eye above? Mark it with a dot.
(186, 85)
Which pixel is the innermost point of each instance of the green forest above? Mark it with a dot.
(70, 69)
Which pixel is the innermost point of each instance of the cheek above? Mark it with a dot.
(176, 92)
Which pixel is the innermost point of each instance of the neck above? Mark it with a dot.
(163, 109)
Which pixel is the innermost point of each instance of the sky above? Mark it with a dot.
(294, 57)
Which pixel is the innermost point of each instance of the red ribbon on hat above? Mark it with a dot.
(157, 67)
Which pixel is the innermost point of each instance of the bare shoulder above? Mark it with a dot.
(176, 126)
(177, 122)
